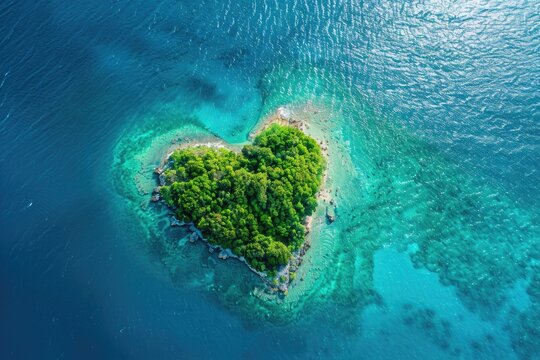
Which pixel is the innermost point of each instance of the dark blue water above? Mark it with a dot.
(462, 78)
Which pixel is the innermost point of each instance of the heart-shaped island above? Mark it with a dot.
(251, 203)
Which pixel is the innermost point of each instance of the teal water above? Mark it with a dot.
(431, 111)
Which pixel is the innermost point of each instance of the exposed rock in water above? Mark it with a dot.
(155, 198)
(284, 113)
(225, 254)
(193, 237)
(175, 221)
(330, 214)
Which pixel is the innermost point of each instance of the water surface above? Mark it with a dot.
(434, 111)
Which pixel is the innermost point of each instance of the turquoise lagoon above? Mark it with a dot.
(431, 109)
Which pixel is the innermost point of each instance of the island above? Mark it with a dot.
(251, 203)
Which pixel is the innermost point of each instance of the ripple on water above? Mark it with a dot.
(394, 190)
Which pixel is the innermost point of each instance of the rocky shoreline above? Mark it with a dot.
(281, 282)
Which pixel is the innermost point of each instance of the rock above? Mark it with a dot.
(283, 287)
(225, 254)
(193, 237)
(175, 221)
(158, 171)
(284, 113)
(156, 190)
(330, 214)
(155, 198)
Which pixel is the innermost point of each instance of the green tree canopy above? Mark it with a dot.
(254, 202)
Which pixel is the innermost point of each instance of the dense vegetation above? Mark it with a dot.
(254, 202)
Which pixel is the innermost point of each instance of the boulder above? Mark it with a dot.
(225, 254)
(284, 113)
(330, 214)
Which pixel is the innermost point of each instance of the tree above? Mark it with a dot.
(254, 202)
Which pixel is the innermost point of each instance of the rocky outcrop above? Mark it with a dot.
(175, 221)
(224, 254)
(330, 213)
(284, 113)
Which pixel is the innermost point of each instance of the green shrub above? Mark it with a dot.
(254, 202)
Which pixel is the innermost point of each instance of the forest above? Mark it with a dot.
(253, 202)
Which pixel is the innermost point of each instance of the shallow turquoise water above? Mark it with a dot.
(433, 111)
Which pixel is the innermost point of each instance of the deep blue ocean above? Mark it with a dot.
(436, 106)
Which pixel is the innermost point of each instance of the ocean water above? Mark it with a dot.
(432, 110)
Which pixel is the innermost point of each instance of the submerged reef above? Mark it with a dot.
(524, 326)
(436, 329)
